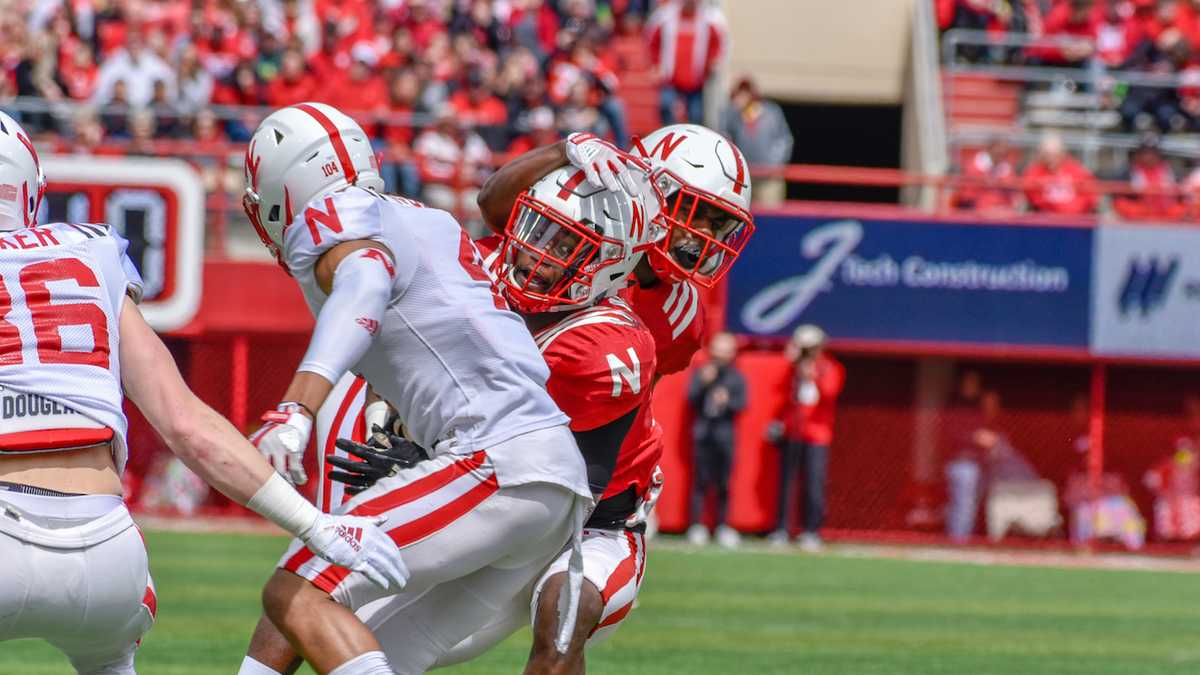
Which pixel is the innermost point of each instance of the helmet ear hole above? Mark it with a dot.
(278, 137)
(273, 216)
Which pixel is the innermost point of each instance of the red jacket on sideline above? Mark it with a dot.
(810, 406)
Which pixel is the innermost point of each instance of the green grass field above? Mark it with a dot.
(751, 611)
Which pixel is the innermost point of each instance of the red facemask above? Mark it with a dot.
(546, 260)
(705, 235)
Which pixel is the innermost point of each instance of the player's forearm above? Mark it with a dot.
(346, 325)
(212, 448)
(500, 191)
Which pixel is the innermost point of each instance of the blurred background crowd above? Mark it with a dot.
(447, 88)
(1115, 83)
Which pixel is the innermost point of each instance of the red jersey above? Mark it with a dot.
(675, 316)
(602, 368)
(810, 404)
(602, 363)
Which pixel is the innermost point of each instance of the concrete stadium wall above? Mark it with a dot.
(822, 51)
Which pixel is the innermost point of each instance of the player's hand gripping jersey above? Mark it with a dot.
(458, 367)
(61, 290)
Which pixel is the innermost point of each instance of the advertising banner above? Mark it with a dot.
(915, 281)
(1147, 292)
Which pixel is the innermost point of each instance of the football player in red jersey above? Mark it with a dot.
(602, 364)
(706, 182)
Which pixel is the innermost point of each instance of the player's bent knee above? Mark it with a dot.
(544, 658)
(288, 594)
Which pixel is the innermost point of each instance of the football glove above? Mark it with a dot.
(385, 454)
(602, 163)
(648, 500)
(358, 544)
(283, 439)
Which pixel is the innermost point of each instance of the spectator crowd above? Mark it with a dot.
(1140, 59)
(1151, 37)
(447, 87)
(995, 181)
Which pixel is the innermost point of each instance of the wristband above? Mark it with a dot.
(376, 414)
(279, 503)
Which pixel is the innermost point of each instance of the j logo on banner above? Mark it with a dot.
(775, 307)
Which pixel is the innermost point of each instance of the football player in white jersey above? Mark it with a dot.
(71, 338)
(709, 222)
(567, 251)
(401, 297)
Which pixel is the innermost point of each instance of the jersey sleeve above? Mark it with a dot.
(674, 313)
(489, 246)
(348, 215)
(133, 278)
(599, 372)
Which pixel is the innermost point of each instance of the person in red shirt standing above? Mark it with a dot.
(1154, 195)
(685, 43)
(1058, 183)
(805, 431)
(294, 83)
(988, 169)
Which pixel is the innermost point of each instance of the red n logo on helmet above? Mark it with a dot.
(252, 164)
(663, 148)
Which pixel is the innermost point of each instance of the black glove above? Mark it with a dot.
(385, 454)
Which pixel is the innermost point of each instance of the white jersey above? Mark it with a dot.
(61, 291)
(460, 369)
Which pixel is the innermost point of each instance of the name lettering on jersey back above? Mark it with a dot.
(329, 220)
(30, 238)
(625, 374)
(14, 406)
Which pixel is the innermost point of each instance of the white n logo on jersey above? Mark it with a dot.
(631, 374)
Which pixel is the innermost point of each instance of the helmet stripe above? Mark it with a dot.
(29, 146)
(572, 183)
(335, 137)
(741, 170)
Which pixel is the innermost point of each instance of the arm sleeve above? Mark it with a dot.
(352, 315)
(601, 448)
(781, 150)
(737, 392)
(831, 380)
(134, 286)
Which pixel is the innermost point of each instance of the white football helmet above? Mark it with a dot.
(296, 155)
(569, 244)
(706, 182)
(22, 182)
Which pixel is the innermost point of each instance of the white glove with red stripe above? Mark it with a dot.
(358, 544)
(602, 163)
(283, 439)
(648, 500)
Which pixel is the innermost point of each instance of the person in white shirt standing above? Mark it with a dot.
(71, 339)
(401, 298)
